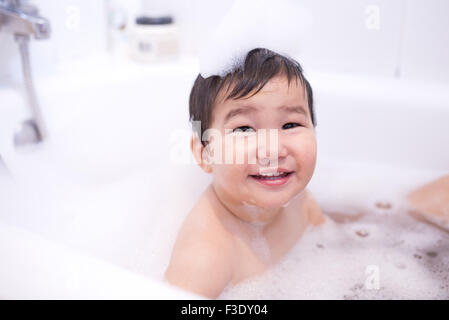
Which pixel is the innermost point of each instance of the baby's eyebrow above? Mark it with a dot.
(249, 109)
(294, 109)
(242, 110)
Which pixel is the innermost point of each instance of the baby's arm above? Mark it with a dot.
(201, 263)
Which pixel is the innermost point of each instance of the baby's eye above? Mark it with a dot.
(244, 129)
(290, 125)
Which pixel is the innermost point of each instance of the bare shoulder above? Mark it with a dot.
(202, 257)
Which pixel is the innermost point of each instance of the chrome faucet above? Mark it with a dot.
(23, 20)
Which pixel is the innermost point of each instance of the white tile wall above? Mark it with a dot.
(354, 36)
(412, 39)
(425, 49)
(78, 29)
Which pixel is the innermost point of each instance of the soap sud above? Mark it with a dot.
(133, 222)
(254, 24)
(253, 210)
(356, 187)
(260, 246)
(333, 261)
(123, 221)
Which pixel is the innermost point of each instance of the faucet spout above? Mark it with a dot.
(23, 19)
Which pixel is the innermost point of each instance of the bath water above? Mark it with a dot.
(386, 255)
(369, 248)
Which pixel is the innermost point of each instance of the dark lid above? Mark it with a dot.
(145, 20)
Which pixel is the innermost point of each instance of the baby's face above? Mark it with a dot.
(292, 153)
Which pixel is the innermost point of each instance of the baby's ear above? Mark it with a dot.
(199, 152)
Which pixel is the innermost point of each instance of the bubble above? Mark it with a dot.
(362, 233)
(432, 254)
(383, 205)
(253, 24)
(411, 257)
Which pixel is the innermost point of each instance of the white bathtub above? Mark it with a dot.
(76, 214)
(94, 211)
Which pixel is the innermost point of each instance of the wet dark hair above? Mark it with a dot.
(259, 66)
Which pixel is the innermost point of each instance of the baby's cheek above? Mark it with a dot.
(223, 178)
(234, 150)
(230, 175)
(306, 155)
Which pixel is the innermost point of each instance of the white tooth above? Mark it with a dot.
(266, 174)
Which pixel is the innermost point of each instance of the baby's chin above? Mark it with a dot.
(275, 201)
(264, 211)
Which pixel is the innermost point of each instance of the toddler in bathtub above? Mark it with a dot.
(255, 209)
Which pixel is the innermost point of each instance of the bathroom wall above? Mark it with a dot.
(354, 36)
(78, 30)
(393, 38)
(425, 43)
(9, 61)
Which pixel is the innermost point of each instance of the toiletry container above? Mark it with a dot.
(153, 39)
(117, 43)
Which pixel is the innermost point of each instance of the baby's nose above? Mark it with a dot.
(270, 148)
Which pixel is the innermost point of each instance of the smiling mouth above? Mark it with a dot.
(271, 176)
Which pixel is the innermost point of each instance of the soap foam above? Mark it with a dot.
(260, 246)
(334, 262)
(121, 222)
(385, 254)
(254, 24)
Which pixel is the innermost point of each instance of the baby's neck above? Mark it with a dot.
(251, 219)
(276, 235)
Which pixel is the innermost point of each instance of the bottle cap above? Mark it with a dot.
(145, 20)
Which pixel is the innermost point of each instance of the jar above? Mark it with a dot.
(153, 39)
